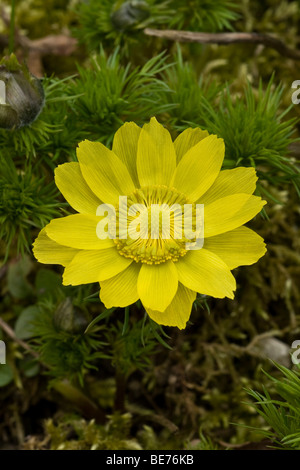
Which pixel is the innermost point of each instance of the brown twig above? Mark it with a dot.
(56, 45)
(61, 45)
(10, 332)
(226, 38)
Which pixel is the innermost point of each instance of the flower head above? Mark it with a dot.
(130, 14)
(139, 258)
(21, 94)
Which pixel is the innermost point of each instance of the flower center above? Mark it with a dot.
(150, 225)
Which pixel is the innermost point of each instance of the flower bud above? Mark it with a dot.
(69, 318)
(129, 14)
(21, 95)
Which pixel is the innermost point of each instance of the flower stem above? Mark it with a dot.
(126, 321)
(11, 44)
(119, 404)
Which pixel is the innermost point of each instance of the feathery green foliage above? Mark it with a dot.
(199, 15)
(187, 93)
(112, 23)
(26, 202)
(110, 93)
(128, 351)
(256, 133)
(281, 412)
(65, 353)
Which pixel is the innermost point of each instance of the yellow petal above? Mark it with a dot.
(230, 212)
(121, 290)
(204, 272)
(187, 139)
(228, 182)
(125, 146)
(104, 172)
(239, 247)
(199, 167)
(94, 266)
(157, 285)
(72, 185)
(179, 310)
(49, 252)
(77, 231)
(156, 158)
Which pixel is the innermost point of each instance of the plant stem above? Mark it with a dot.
(11, 45)
(126, 321)
(119, 404)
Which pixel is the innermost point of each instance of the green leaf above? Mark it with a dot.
(6, 375)
(17, 283)
(24, 323)
(47, 282)
(30, 367)
(100, 317)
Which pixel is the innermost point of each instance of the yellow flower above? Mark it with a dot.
(146, 166)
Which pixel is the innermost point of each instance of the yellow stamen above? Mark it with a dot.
(155, 244)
